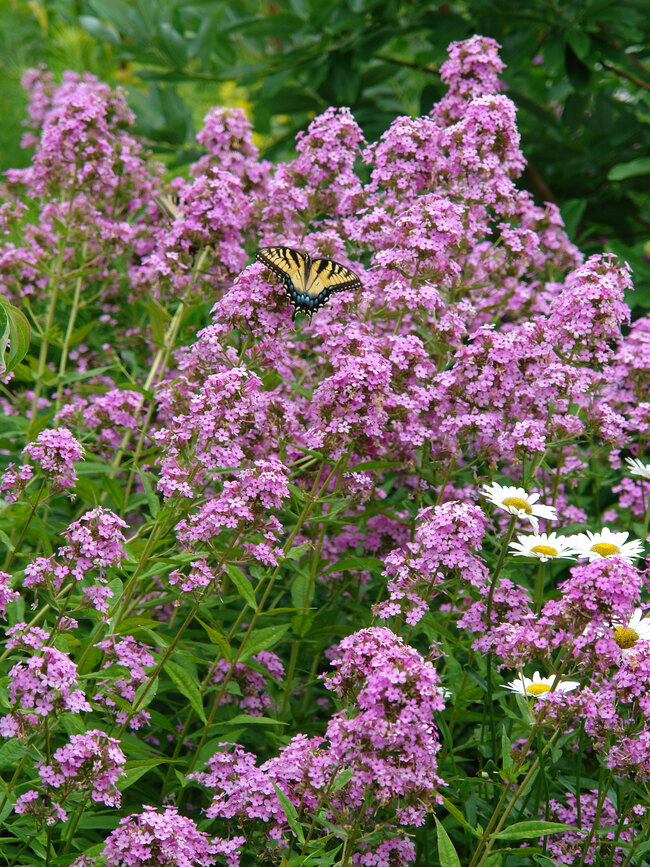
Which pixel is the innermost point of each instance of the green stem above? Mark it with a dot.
(9, 559)
(55, 281)
(63, 362)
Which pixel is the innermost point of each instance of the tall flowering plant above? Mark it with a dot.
(262, 593)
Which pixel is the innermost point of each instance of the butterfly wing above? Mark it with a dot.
(168, 206)
(308, 283)
(326, 277)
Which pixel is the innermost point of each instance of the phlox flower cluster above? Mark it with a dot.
(54, 453)
(134, 659)
(252, 682)
(444, 547)
(480, 344)
(198, 577)
(95, 543)
(385, 739)
(147, 838)
(90, 763)
(40, 687)
(7, 594)
(242, 503)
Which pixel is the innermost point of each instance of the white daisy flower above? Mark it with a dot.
(534, 686)
(605, 544)
(636, 629)
(638, 468)
(544, 547)
(517, 501)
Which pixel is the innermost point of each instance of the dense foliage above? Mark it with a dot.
(263, 597)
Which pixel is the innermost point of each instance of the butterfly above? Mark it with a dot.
(168, 206)
(308, 282)
(171, 207)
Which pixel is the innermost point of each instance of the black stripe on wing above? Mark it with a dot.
(323, 277)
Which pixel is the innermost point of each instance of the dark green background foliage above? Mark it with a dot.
(578, 70)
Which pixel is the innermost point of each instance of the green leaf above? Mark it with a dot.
(6, 541)
(148, 689)
(174, 44)
(99, 29)
(217, 638)
(243, 585)
(446, 851)
(456, 813)
(15, 333)
(302, 591)
(136, 770)
(255, 720)
(631, 169)
(579, 41)
(572, 212)
(297, 552)
(530, 829)
(188, 686)
(290, 813)
(152, 500)
(262, 639)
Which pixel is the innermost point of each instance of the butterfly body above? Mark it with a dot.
(308, 282)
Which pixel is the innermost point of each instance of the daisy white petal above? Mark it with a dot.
(606, 544)
(638, 468)
(517, 501)
(543, 546)
(533, 687)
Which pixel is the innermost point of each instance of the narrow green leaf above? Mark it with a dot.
(291, 814)
(255, 720)
(456, 813)
(148, 689)
(297, 552)
(631, 169)
(186, 685)
(446, 852)
(243, 585)
(152, 500)
(530, 829)
(20, 335)
(6, 541)
(263, 639)
(217, 638)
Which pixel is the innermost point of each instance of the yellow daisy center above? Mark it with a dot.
(518, 504)
(538, 688)
(625, 637)
(605, 549)
(544, 551)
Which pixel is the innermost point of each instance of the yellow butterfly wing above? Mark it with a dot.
(328, 276)
(308, 282)
(168, 206)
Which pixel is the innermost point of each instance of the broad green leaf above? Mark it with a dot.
(446, 851)
(99, 29)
